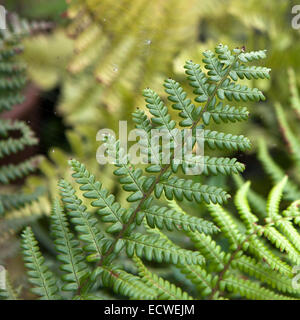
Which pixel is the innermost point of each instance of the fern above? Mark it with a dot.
(13, 81)
(114, 236)
(39, 275)
(292, 191)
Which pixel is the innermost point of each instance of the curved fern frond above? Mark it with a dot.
(243, 207)
(275, 198)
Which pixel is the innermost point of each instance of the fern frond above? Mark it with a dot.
(11, 172)
(220, 140)
(253, 55)
(39, 275)
(19, 200)
(243, 207)
(227, 226)
(198, 81)
(257, 202)
(211, 251)
(263, 253)
(124, 283)
(84, 222)
(159, 250)
(142, 122)
(203, 280)
(70, 254)
(237, 92)
(7, 291)
(212, 63)
(161, 117)
(213, 165)
(275, 172)
(181, 102)
(224, 113)
(282, 243)
(264, 274)
(109, 209)
(13, 145)
(250, 72)
(250, 289)
(165, 289)
(164, 218)
(275, 198)
(179, 189)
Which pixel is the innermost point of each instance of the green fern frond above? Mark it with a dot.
(275, 172)
(160, 250)
(243, 207)
(165, 289)
(11, 172)
(275, 198)
(211, 251)
(181, 102)
(237, 92)
(84, 222)
(203, 280)
(220, 113)
(39, 275)
(198, 81)
(250, 289)
(264, 274)
(220, 140)
(124, 283)
(70, 254)
(109, 209)
(227, 225)
(182, 188)
(164, 218)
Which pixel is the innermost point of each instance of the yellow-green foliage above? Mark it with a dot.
(289, 129)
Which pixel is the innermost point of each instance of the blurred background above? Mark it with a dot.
(89, 70)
